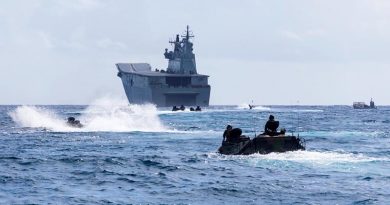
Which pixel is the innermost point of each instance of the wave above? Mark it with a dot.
(245, 106)
(307, 110)
(106, 114)
(342, 133)
(311, 157)
(319, 157)
(176, 112)
(295, 110)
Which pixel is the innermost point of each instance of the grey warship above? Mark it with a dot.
(179, 84)
(362, 105)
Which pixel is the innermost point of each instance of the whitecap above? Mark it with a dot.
(256, 107)
(307, 157)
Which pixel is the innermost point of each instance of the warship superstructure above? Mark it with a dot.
(179, 84)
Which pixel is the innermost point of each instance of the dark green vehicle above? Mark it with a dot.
(263, 144)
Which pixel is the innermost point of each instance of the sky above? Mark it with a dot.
(279, 52)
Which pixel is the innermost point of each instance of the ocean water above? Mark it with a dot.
(140, 154)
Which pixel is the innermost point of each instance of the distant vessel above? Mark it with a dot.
(179, 84)
(362, 105)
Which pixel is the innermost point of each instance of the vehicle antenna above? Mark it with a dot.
(254, 123)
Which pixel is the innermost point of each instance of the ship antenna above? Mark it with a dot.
(298, 117)
(188, 35)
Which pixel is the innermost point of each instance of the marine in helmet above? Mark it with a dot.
(226, 133)
(271, 126)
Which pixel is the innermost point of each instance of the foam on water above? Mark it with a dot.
(342, 133)
(36, 117)
(105, 114)
(204, 110)
(319, 157)
(257, 107)
(175, 112)
(310, 157)
(296, 110)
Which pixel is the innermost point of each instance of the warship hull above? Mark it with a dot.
(160, 88)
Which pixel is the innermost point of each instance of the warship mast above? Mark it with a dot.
(181, 60)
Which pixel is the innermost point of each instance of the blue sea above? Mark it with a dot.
(140, 154)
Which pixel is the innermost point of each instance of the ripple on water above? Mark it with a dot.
(124, 179)
(346, 160)
(158, 165)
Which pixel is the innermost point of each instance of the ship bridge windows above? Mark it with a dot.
(178, 81)
(199, 80)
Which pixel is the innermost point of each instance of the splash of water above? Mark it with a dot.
(257, 107)
(37, 117)
(104, 114)
(116, 115)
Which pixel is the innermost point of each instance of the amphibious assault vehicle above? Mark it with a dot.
(263, 144)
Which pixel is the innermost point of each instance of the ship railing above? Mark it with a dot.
(171, 86)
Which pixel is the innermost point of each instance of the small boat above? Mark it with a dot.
(263, 144)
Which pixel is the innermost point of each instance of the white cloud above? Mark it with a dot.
(81, 5)
(46, 39)
(291, 35)
(109, 43)
(46, 43)
(314, 32)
